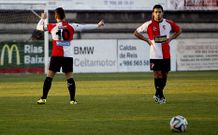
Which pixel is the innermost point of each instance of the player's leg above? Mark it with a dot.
(46, 87)
(164, 74)
(68, 70)
(71, 87)
(155, 65)
(47, 83)
(53, 68)
(164, 80)
(158, 83)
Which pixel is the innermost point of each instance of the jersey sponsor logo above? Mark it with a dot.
(160, 39)
(63, 43)
(9, 50)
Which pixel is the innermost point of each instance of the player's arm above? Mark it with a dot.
(41, 24)
(81, 27)
(176, 31)
(139, 33)
(175, 35)
(140, 36)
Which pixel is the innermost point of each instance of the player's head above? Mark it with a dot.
(157, 13)
(59, 14)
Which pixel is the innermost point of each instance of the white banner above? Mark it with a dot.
(197, 54)
(105, 4)
(86, 4)
(192, 5)
(114, 5)
(133, 56)
(95, 56)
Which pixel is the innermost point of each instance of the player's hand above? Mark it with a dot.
(169, 39)
(149, 42)
(43, 15)
(101, 24)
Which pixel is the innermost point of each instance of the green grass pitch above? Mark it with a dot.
(109, 104)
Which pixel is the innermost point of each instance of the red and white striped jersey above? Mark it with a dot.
(158, 33)
(62, 36)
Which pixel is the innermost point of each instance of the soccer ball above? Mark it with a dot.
(178, 123)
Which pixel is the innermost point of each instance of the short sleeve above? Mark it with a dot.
(175, 27)
(143, 27)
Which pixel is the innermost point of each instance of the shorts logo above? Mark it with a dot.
(10, 53)
(152, 65)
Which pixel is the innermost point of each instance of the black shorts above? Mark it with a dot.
(65, 62)
(160, 64)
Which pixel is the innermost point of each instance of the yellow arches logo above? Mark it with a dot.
(10, 53)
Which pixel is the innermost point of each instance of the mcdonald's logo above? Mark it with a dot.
(10, 53)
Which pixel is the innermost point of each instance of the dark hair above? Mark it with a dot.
(157, 6)
(60, 14)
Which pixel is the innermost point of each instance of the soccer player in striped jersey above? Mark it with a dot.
(159, 34)
(62, 34)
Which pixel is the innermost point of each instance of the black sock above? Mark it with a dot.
(159, 86)
(157, 83)
(164, 81)
(161, 89)
(46, 87)
(72, 88)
